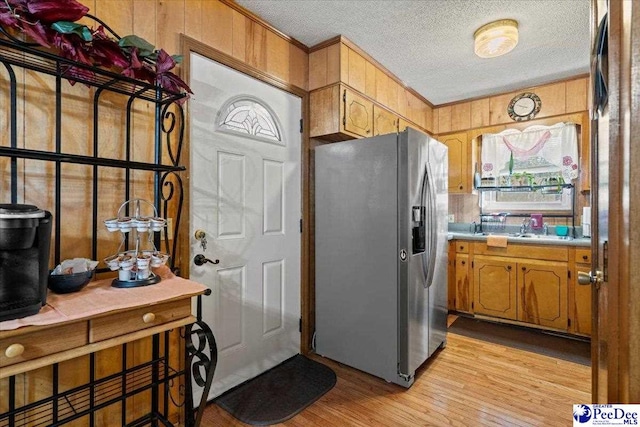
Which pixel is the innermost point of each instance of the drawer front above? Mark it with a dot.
(123, 323)
(20, 348)
(540, 252)
(462, 247)
(583, 256)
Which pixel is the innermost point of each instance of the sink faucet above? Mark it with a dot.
(526, 223)
(545, 229)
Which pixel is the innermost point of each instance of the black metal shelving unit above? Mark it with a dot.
(200, 347)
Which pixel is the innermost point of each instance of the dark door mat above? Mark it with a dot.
(280, 393)
(522, 338)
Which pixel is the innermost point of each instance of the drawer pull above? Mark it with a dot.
(14, 350)
(148, 317)
(585, 257)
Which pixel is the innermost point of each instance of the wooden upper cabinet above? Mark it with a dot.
(367, 83)
(459, 162)
(542, 293)
(357, 114)
(494, 287)
(384, 122)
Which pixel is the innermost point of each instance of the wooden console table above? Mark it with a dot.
(79, 325)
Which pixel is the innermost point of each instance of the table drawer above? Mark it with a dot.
(583, 256)
(122, 323)
(33, 345)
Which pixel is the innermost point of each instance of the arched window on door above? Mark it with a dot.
(250, 117)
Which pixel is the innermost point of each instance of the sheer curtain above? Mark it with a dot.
(537, 150)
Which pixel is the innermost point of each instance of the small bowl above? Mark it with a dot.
(562, 230)
(67, 283)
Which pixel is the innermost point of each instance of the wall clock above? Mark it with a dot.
(524, 106)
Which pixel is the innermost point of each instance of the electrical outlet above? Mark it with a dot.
(451, 218)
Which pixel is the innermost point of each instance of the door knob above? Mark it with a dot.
(589, 278)
(201, 260)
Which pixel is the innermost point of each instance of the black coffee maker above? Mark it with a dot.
(25, 237)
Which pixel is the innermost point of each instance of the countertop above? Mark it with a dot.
(462, 231)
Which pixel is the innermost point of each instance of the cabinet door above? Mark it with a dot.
(451, 277)
(384, 122)
(459, 167)
(494, 287)
(580, 312)
(358, 114)
(463, 289)
(542, 293)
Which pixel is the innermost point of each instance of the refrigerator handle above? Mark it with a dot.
(433, 229)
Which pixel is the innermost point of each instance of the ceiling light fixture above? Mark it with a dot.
(496, 38)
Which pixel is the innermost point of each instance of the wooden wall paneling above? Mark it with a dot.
(402, 102)
(435, 121)
(109, 362)
(193, 18)
(553, 99)
(382, 81)
(217, 27)
(239, 36)
(576, 95)
(357, 71)
(428, 117)
(74, 373)
(392, 95)
(460, 116)
(138, 352)
(277, 56)
(498, 108)
(480, 113)
(119, 15)
(370, 80)
(318, 68)
(444, 119)
(299, 67)
(256, 45)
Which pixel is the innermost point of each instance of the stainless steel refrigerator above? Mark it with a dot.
(381, 208)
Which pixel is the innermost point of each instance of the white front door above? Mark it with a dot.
(245, 195)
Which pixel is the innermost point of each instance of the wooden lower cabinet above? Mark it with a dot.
(532, 284)
(463, 293)
(543, 293)
(494, 287)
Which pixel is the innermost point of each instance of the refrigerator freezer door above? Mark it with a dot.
(357, 254)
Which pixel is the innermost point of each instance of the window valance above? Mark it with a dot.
(536, 150)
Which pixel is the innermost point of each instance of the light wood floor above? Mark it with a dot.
(469, 383)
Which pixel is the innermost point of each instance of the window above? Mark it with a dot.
(539, 155)
(250, 117)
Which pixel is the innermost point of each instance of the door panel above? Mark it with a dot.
(358, 114)
(459, 171)
(463, 301)
(384, 122)
(245, 196)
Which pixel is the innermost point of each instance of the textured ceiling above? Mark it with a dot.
(428, 44)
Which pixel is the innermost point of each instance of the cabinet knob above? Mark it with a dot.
(368, 130)
(585, 257)
(461, 247)
(14, 350)
(463, 263)
(524, 268)
(460, 187)
(508, 267)
(148, 317)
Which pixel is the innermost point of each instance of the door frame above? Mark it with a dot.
(190, 45)
(615, 345)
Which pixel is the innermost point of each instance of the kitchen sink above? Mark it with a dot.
(539, 236)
